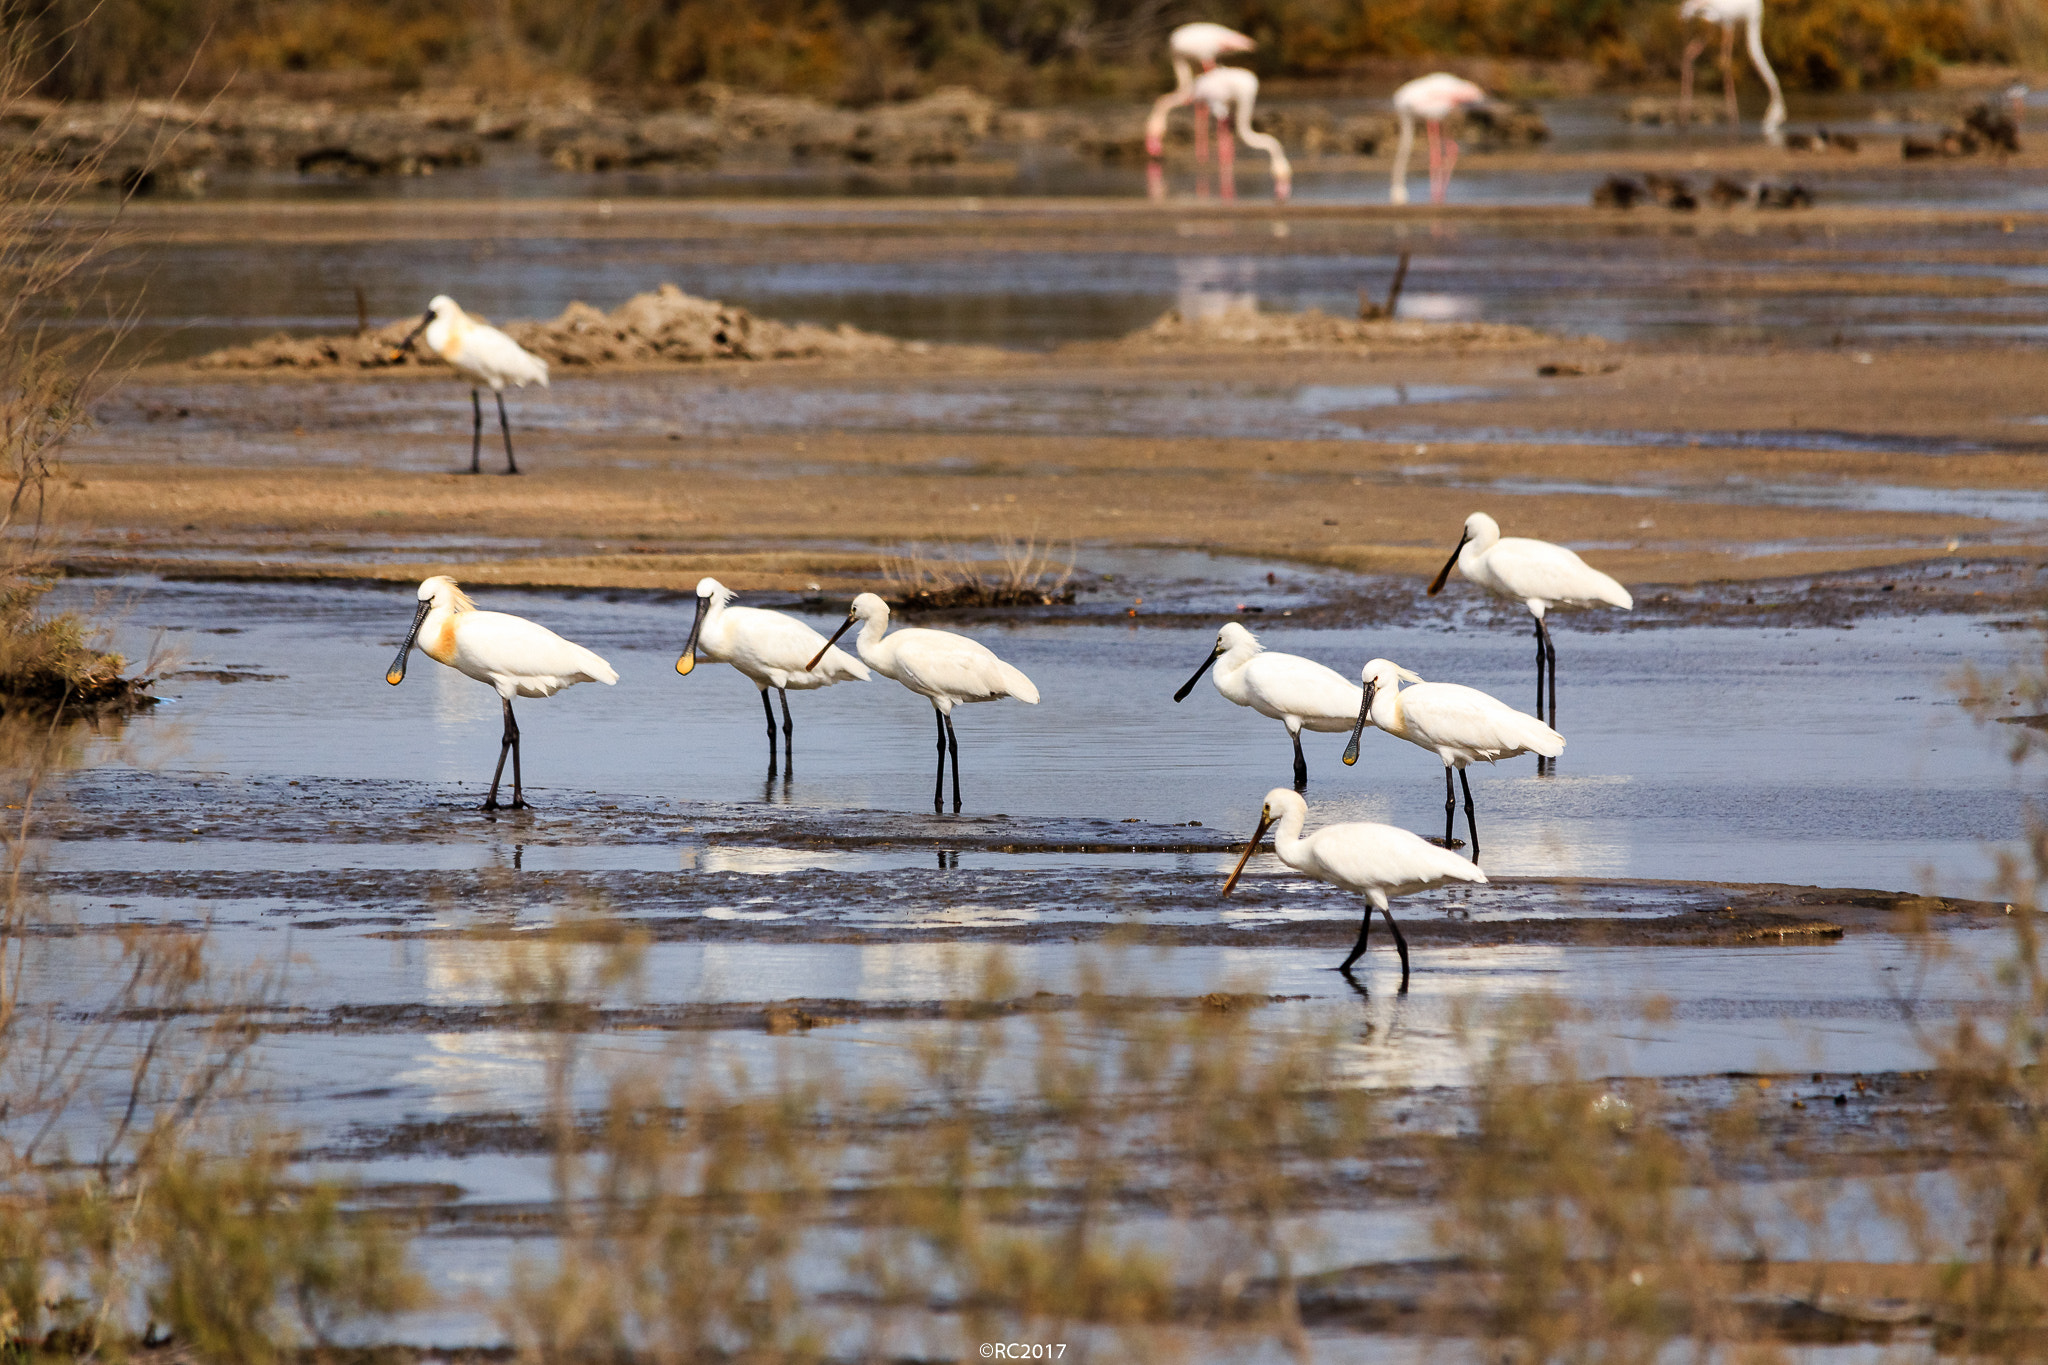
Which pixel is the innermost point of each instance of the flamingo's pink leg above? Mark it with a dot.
(1436, 161)
(1155, 181)
(1201, 139)
(1226, 162)
(1693, 50)
(1728, 73)
(1450, 164)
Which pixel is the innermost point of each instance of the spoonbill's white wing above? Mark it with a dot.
(1372, 857)
(1551, 573)
(499, 360)
(531, 660)
(769, 645)
(1473, 724)
(1281, 685)
(952, 667)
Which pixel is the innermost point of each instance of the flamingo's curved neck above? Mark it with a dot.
(1774, 117)
(1398, 193)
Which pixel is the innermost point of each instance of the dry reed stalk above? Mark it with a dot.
(947, 576)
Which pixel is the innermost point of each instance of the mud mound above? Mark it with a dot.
(1315, 330)
(665, 327)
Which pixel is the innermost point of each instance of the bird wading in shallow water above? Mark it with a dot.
(946, 669)
(1229, 92)
(1540, 576)
(1460, 725)
(511, 653)
(1300, 693)
(1432, 99)
(1191, 47)
(1376, 861)
(770, 649)
(483, 355)
(1728, 15)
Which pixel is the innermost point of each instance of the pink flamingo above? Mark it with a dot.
(1749, 14)
(1221, 90)
(1190, 46)
(1432, 99)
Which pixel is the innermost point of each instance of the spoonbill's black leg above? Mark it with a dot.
(788, 734)
(1546, 662)
(476, 432)
(939, 792)
(1450, 812)
(504, 425)
(1300, 765)
(1358, 948)
(509, 744)
(953, 743)
(1400, 946)
(1539, 668)
(1471, 823)
(768, 709)
(1551, 645)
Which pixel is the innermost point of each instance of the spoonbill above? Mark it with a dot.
(1749, 14)
(1295, 691)
(948, 670)
(1432, 99)
(1538, 574)
(770, 649)
(1457, 724)
(483, 355)
(1188, 47)
(511, 653)
(1225, 89)
(1377, 861)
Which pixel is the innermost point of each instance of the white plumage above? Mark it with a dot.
(1537, 574)
(946, 669)
(769, 649)
(1460, 725)
(1377, 861)
(1189, 47)
(1225, 90)
(517, 657)
(1729, 14)
(1432, 99)
(1300, 693)
(483, 355)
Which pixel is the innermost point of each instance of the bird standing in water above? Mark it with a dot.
(483, 355)
(1299, 693)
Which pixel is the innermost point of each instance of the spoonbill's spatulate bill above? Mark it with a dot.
(1728, 15)
(948, 670)
(1376, 861)
(770, 649)
(483, 355)
(1460, 725)
(1537, 574)
(1432, 99)
(1300, 693)
(511, 653)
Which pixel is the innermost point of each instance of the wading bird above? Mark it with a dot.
(1728, 14)
(946, 669)
(483, 355)
(1537, 574)
(1431, 99)
(770, 649)
(1460, 725)
(1299, 693)
(511, 653)
(1377, 861)
(1228, 90)
(1191, 46)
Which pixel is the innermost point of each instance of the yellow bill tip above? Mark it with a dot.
(685, 664)
(1351, 760)
(394, 677)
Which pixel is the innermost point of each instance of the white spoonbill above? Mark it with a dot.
(770, 649)
(1539, 575)
(1460, 725)
(1300, 693)
(1377, 861)
(511, 653)
(1431, 99)
(1225, 90)
(1189, 47)
(483, 355)
(1749, 14)
(946, 669)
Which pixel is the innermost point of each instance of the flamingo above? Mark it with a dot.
(1539, 575)
(1300, 693)
(946, 669)
(1191, 46)
(1457, 724)
(770, 649)
(484, 355)
(1729, 13)
(1226, 88)
(1432, 99)
(1377, 861)
(511, 653)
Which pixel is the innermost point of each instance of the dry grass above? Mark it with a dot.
(1020, 575)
